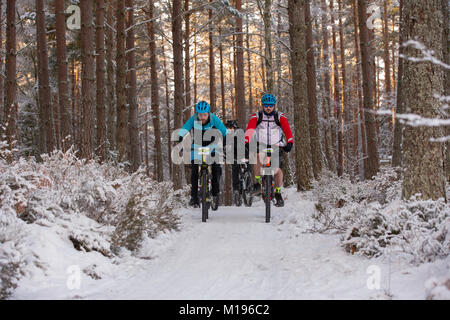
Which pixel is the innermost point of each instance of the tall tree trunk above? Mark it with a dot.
(10, 72)
(359, 89)
(367, 63)
(187, 78)
(57, 123)
(212, 66)
(169, 130)
(87, 78)
(195, 68)
(267, 19)
(446, 59)
(316, 154)
(249, 71)
(398, 127)
(337, 97)
(329, 123)
(240, 83)
(121, 63)
(423, 159)
(345, 101)
(177, 35)
(100, 77)
(387, 62)
(133, 127)
(63, 84)
(187, 66)
(155, 93)
(45, 100)
(146, 146)
(110, 81)
(222, 81)
(297, 33)
(2, 96)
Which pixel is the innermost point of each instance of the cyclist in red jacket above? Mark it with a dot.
(269, 126)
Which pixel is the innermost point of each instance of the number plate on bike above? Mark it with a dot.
(203, 151)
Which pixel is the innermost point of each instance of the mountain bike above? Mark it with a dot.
(205, 184)
(245, 191)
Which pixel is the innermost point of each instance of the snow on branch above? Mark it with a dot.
(415, 120)
(428, 55)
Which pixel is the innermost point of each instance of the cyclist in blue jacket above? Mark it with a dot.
(203, 120)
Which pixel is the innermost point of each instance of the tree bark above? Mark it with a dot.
(367, 63)
(400, 108)
(155, 93)
(316, 154)
(337, 98)
(329, 123)
(169, 130)
(45, 100)
(359, 89)
(10, 72)
(87, 78)
(268, 56)
(187, 78)
(100, 77)
(121, 63)
(387, 62)
(212, 66)
(133, 127)
(63, 78)
(345, 101)
(423, 159)
(110, 81)
(446, 57)
(249, 71)
(2, 96)
(187, 66)
(177, 35)
(297, 33)
(240, 83)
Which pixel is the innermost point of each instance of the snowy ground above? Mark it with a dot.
(235, 255)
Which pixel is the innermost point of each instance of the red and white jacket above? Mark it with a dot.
(268, 132)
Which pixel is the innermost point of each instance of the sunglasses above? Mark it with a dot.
(268, 105)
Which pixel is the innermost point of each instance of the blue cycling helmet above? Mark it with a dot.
(268, 99)
(202, 107)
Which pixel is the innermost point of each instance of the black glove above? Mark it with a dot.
(180, 138)
(247, 151)
(287, 148)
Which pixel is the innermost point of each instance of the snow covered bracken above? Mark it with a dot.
(86, 206)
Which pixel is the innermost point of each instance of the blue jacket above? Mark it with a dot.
(193, 124)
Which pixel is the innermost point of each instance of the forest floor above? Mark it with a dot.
(235, 255)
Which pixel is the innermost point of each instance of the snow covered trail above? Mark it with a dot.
(235, 255)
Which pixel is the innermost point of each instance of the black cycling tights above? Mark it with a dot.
(215, 183)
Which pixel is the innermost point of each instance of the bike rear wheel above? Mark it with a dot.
(204, 192)
(247, 193)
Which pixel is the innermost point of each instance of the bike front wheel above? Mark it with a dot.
(204, 192)
(267, 196)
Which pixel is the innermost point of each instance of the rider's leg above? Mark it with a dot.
(194, 181)
(279, 173)
(278, 178)
(257, 167)
(215, 183)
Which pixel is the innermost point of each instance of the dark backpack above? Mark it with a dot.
(275, 116)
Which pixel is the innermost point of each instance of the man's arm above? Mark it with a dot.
(286, 128)
(251, 127)
(187, 127)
